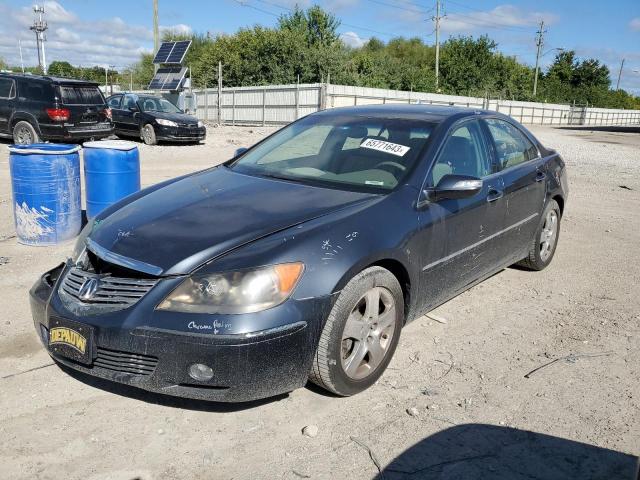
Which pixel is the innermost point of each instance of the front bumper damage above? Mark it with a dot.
(147, 355)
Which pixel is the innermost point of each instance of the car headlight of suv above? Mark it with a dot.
(245, 291)
(200, 124)
(166, 123)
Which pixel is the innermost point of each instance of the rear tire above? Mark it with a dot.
(361, 333)
(148, 134)
(24, 134)
(543, 246)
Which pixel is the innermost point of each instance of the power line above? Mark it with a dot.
(489, 24)
(466, 7)
(273, 4)
(406, 8)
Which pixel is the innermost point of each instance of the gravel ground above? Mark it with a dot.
(453, 404)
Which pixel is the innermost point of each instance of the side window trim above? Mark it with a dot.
(520, 131)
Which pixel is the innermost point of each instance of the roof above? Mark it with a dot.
(434, 113)
(50, 78)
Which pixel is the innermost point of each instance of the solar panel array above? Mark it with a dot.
(172, 52)
(168, 78)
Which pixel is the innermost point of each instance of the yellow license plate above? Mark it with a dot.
(69, 337)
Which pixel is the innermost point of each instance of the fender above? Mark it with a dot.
(24, 116)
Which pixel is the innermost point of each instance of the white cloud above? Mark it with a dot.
(109, 41)
(634, 24)
(502, 16)
(352, 39)
(179, 29)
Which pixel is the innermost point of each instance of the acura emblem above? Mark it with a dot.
(88, 289)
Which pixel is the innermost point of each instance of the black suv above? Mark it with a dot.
(35, 108)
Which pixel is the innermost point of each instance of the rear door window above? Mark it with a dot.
(36, 91)
(81, 95)
(7, 88)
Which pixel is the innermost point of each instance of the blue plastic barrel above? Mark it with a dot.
(111, 172)
(45, 179)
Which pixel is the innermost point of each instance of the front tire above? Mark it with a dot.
(25, 134)
(361, 333)
(148, 134)
(544, 243)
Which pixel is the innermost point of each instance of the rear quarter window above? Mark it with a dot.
(7, 88)
(73, 95)
(36, 91)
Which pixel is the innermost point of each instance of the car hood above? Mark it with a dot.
(177, 228)
(174, 117)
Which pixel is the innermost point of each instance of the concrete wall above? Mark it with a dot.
(281, 104)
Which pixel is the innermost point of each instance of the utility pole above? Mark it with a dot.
(539, 44)
(156, 33)
(39, 27)
(620, 74)
(436, 19)
(21, 60)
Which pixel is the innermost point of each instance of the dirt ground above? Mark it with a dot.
(454, 403)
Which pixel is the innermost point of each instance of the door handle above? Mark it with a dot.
(494, 194)
(540, 176)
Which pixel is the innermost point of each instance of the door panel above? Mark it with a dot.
(460, 237)
(524, 176)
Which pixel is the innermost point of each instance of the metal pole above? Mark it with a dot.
(298, 97)
(437, 20)
(219, 93)
(619, 74)
(264, 104)
(539, 43)
(156, 33)
(21, 60)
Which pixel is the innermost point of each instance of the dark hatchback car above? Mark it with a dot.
(35, 108)
(303, 257)
(153, 119)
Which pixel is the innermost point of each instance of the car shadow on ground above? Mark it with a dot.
(488, 452)
(164, 400)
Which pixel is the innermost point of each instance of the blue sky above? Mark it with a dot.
(83, 33)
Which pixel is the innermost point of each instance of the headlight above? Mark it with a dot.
(200, 124)
(166, 123)
(245, 291)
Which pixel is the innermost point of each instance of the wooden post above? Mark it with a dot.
(233, 107)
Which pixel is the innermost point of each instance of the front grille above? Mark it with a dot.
(125, 362)
(114, 292)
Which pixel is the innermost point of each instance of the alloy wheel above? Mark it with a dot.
(548, 235)
(368, 333)
(23, 136)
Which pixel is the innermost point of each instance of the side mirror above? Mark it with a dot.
(454, 187)
(240, 151)
(133, 109)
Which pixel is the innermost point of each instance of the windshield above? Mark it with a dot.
(341, 151)
(150, 104)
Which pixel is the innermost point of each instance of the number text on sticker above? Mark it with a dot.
(382, 146)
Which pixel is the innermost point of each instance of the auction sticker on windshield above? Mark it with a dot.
(387, 147)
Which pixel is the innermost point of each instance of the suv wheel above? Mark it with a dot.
(148, 134)
(361, 333)
(24, 134)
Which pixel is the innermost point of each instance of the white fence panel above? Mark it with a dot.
(282, 104)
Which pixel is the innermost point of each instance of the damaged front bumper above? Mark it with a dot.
(143, 353)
